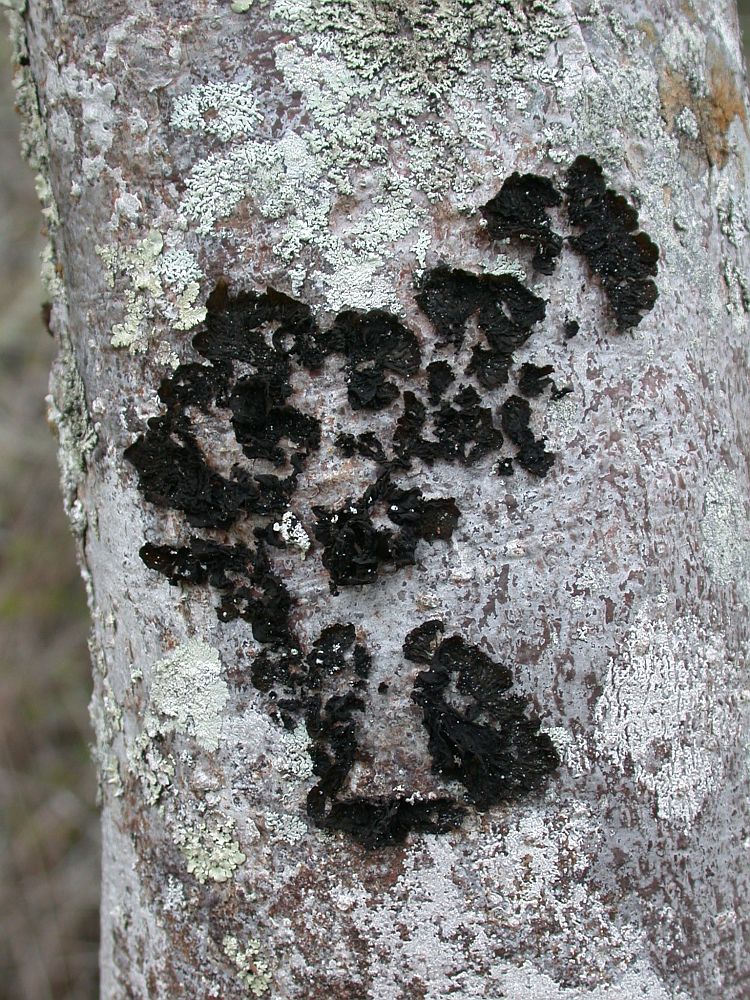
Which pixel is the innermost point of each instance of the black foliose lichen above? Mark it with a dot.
(624, 258)
(488, 744)
(505, 310)
(356, 551)
(373, 343)
(519, 210)
(252, 345)
(515, 415)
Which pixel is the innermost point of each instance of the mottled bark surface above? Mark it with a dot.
(340, 153)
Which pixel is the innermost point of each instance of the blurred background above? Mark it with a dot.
(49, 839)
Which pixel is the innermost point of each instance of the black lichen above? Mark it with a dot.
(199, 562)
(570, 328)
(519, 210)
(624, 258)
(462, 430)
(173, 473)
(373, 343)
(259, 330)
(356, 551)
(534, 379)
(505, 310)
(252, 345)
(263, 601)
(366, 445)
(497, 760)
(515, 415)
(439, 377)
(383, 821)
(260, 424)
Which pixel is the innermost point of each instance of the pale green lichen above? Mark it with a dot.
(68, 414)
(165, 281)
(225, 110)
(369, 78)
(154, 769)
(253, 970)
(188, 694)
(106, 719)
(209, 847)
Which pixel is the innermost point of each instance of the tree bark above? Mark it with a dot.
(308, 204)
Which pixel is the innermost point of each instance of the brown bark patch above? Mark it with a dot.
(714, 111)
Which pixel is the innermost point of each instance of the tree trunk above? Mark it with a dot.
(403, 411)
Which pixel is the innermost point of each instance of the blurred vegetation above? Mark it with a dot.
(49, 838)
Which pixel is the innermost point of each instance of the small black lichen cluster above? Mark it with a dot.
(373, 343)
(519, 209)
(172, 468)
(488, 744)
(626, 260)
(331, 706)
(355, 550)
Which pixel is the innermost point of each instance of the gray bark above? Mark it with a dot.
(336, 152)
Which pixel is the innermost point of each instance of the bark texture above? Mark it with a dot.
(281, 803)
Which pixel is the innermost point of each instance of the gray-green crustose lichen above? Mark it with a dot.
(401, 82)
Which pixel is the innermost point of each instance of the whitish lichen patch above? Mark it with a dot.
(209, 847)
(667, 711)
(188, 694)
(165, 281)
(225, 110)
(724, 527)
(285, 827)
(640, 982)
(292, 533)
(369, 78)
(295, 758)
(251, 967)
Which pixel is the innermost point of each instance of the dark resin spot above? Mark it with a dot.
(625, 259)
(519, 210)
